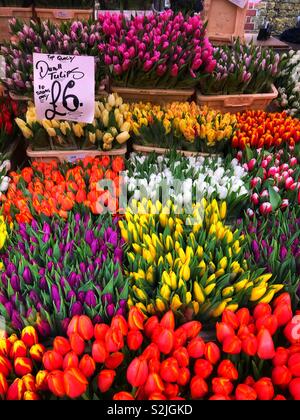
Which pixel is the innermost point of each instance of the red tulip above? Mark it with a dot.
(29, 336)
(168, 321)
(165, 341)
(245, 392)
(249, 345)
(219, 397)
(136, 318)
(150, 324)
(249, 381)
(100, 331)
(73, 325)
(85, 327)
(5, 347)
(222, 386)
(292, 330)
(281, 376)
(264, 389)
(171, 390)
(153, 384)
(281, 357)
(294, 364)
(41, 380)
(151, 352)
(114, 340)
(75, 383)
(61, 345)
(29, 382)
(198, 387)
(261, 310)
(283, 299)
(22, 366)
(196, 347)
(16, 390)
(184, 376)
(283, 314)
(87, 365)
(31, 396)
(105, 379)
(169, 370)
(5, 366)
(243, 316)
(120, 322)
(154, 365)
(226, 369)
(192, 328)
(157, 397)
(52, 360)
(243, 332)
(114, 360)
(137, 372)
(3, 385)
(18, 349)
(55, 381)
(37, 352)
(223, 331)
(134, 339)
(203, 368)
(99, 352)
(265, 345)
(123, 396)
(294, 388)
(77, 343)
(180, 338)
(269, 322)
(279, 397)
(232, 345)
(230, 318)
(182, 356)
(70, 360)
(212, 352)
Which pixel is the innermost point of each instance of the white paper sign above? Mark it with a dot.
(64, 87)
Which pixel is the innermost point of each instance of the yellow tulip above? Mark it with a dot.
(233, 307)
(268, 297)
(169, 243)
(223, 210)
(166, 278)
(137, 249)
(123, 137)
(219, 273)
(150, 275)
(182, 255)
(200, 251)
(188, 297)
(228, 291)
(196, 307)
(176, 303)
(165, 291)
(257, 293)
(208, 289)
(173, 279)
(181, 284)
(198, 293)
(229, 237)
(151, 309)
(223, 263)
(169, 258)
(160, 305)
(185, 272)
(141, 306)
(219, 309)
(240, 285)
(263, 279)
(211, 279)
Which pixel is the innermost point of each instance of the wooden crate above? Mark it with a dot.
(60, 15)
(7, 13)
(158, 96)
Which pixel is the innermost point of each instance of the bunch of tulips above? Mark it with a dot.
(8, 112)
(191, 263)
(108, 130)
(59, 269)
(181, 125)
(56, 189)
(164, 50)
(241, 69)
(256, 129)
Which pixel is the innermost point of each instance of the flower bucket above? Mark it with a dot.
(226, 21)
(59, 15)
(70, 155)
(161, 151)
(238, 102)
(158, 96)
(7, 13)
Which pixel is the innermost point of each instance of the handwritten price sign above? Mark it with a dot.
(64, 87)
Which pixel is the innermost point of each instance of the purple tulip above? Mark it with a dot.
(76, 309)
(27, 276)
(90, 299)
(9, 308)
(82, 267)
(123, 303)
(110, 310)
(55, 292)
(16, 321)
(107, 298)
(43, 284)
(34, 297)
(71, 295)
(89, 237)
(44, 328)
(50, 265)
(283, 253)
(97, 320)
(81, 296)
(10, 269)
(94, 247)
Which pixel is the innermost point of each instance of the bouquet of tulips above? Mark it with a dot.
(181, 125)
(71, 38)
(59, 269)
(108, 130)
(257, 129)
(241, 69)
(185, 178)
(49, 189)
(189, 261)
(164, 50)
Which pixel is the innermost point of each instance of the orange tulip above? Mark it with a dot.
(198, 387)
(134, 339)
(203, 368)
(232, 345)
(41, 380)
(3, 385)
(249, 345)
(192, 328)
(182, 356)
(29, 336)
(75, 383)
(123, 396)
(261, 310)
(99, 352)
(5, 366)
(153, 384)
(243, 315)
(154, 365)
(85, 327)
(168, 321)
(212, 352)
(114, 360)
(196, 347)
(226, 369)
(180, 338)
(70, 360)
(105, 379)
(29, 382)
(222, 386)
(18, 349)
(120, 322)
(184, 376)
(22, 366)
(265, 349)
(61, 345)
(165, 341)
(52, 360)
(150, 325)
(151, 352)
(171, 390)
(100, 331)
(16, 390)
(37, 352)
(31, 396)
(73, 326)
(77, 343)
(230, 318)
(136, 318)
(114, 340)
(137, 372)
(169, 370)
(223, 331)
(87, 366)
(55, 381)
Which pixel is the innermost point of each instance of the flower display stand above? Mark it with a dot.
(70, 155)
(7, 13)
(238, 102)
(59, 15)
(161, 151)
(158, 96)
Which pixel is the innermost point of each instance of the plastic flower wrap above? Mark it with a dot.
(51, 189)
(218, 178)
(59, 269)
(241, 69)
(257, 129)
(109, 130)
(193, 264)
(164, 50)
(181, 125)
(71, 38)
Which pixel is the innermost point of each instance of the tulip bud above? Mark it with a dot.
(114, 360)
(37, 352)
(232, 345)
(134, 339)
(5, 347)
(249, 345)
(114, 340)
(52, 360)
(22, 366)
(169, 370)
(153, 384)
(203, 368)
(87, 366)
(192, 328)
(119, 322)
(100, 331)
(18, 349)
(29, 336)
(182, 356)
(75, 383)
(180, 338)
(29, 382)
(281, 376)
(70, 360)
(137, 372)
(281, 357)
(245, 393)
(61, 345)
(85, 327)
(223, 331)
(168, 321)
(41, 380)
(226, 369)
(196, 348)
(261, 310)
(265, 349)
(3, 385)
(198, 387)
(230, 318)
(31, 396)
(136, 319)
(5, 366)
(212, 352)
(99, 352)
(165, 341)
(55, 381)
(77, 343)
(222, 386)
(123, 396)
(16, 390)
